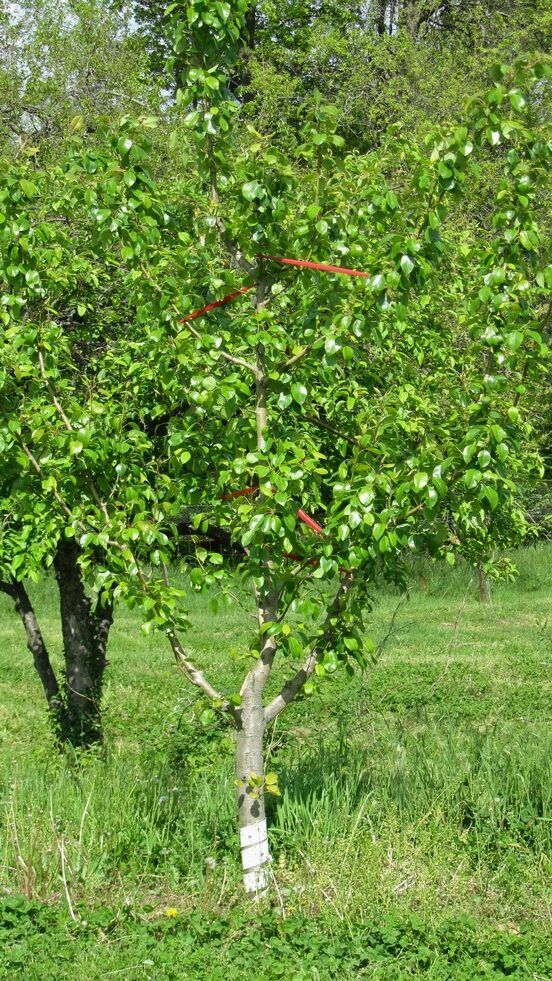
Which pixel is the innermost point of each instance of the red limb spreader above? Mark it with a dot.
(301, 514)
(302, 263)
(321, 266)
(217, 303)
(309, 522)
(240, 493)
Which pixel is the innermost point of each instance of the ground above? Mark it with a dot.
(412, 837)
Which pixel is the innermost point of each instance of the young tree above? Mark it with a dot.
(391, 404)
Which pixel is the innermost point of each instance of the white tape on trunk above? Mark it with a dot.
(254, 855)
(256, 882)
(253, 834)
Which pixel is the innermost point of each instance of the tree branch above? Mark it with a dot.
(37, 646)
(240, 362)
(330, 428)
(197, 678)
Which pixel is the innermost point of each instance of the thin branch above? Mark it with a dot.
(193, 674)
(197, 678)
(239, 362)
(296, 358)
(291, 689)
(330, 428)
(35, 642)
(36, 466)
(127, 98)
(235, 253)
(52, 394)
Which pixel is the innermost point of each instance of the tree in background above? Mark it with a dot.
(63, 67)
(387, 61)
(61, 60)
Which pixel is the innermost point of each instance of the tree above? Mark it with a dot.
(61, 60)
(378, 63)
(391, 405)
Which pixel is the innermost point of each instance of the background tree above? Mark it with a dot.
(64, 60)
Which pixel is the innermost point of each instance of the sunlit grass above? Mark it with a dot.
(422, 786)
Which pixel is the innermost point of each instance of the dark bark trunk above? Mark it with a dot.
(382, 9)
(85, 634)
(38, 649)
(483, 583)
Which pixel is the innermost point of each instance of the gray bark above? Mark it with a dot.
(251, 807)
(251, 725)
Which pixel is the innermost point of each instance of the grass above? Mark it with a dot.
(416, 804)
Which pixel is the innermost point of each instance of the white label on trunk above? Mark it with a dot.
(256, 882)
(254, 855)
(253, 834)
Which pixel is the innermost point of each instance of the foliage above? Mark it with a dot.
(226, 946)
(65, 64)
(377, 63)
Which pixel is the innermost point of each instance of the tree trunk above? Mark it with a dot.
(252, 722)
(483, 582)
(76, 711)
(382, 10)
(254, 846)
(84, 645)
(37, 647)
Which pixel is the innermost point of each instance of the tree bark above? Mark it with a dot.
(35, 642)
(252, 724)
(255, 853)
(85, 636)
(382, 10)
(483, 583)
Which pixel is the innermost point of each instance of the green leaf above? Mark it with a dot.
(295, 647)
(251, 190)
(29, 189)
(492, 497)
(299, 392)
(420, 480)
(471, 478)
(331, 346)
(514, 340)
(518, 100)
(406, 264)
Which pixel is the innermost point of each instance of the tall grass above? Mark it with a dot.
(426, 785)
(119, 826)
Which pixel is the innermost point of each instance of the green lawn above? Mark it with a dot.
(412, 837)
